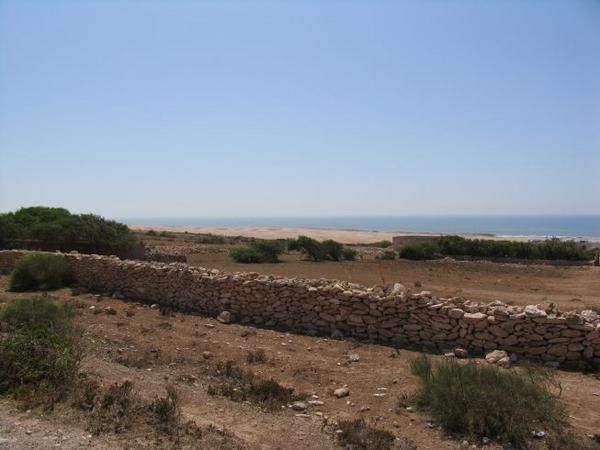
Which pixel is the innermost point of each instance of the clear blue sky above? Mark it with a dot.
(232, 108)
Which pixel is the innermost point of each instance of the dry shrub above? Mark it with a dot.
(357, 435)
(116, 409)
(240, 385)
(167, 411)
(257, 356)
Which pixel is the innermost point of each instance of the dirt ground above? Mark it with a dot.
(152, 350)
(570, 286)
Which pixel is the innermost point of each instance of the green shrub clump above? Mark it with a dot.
(382, 244)
(320, 251)
(420, 251)
(40, 271)
(388, 255)
(549, 249)
(51, 229)
(260, 251)
(39, 350)
(486, 401)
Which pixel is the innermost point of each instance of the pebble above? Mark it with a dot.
(353, 357)
(341, 392)
(299, 406)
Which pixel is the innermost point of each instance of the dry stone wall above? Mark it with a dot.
(391, 316)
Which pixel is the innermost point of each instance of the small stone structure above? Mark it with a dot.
(318, 306)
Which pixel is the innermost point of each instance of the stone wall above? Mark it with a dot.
(391, 316)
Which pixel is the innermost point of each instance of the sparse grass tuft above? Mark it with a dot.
(485, 401)
(357, 435)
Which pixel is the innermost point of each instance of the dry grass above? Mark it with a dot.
(357, 435)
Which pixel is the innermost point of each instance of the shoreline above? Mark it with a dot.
(345, 236)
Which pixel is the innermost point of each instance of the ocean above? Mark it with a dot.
(584, 227)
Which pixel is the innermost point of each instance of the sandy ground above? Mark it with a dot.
(344, 236)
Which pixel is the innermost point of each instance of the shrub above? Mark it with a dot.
(388, 255)
(269, 249)
(357, 435)
(311, 247)
(420, 251)
(349, 254)
(319, 251)
(39, 271)
(256, 357)
(550, 249)
(39, 350)
(116, 410)
(245, 255)
(43, 228)
(333, 249)
(482, 400)
(167, 411)
(382, 244)
(240, 385)
(261, 251)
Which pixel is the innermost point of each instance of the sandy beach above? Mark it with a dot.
(343, 236)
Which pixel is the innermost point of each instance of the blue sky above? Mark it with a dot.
(234, 108)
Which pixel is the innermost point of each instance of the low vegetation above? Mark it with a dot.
(259, 251)
(51, 229)
(382, 244)
(40, 271)
(320, 251)
(39, 351)
(357, 435)
(456, 246)
(388, 255)
(241, 385)
(486, 401)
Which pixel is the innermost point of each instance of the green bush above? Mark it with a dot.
(550, 249)
(388, 255)
(333, 249)
(43, 228)
(40, 271)
(420, 251)
(486, 401)
(39, 349)
(320, 251)
(311, 247)
(260, 251)
(382, 244)
(349, 254)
